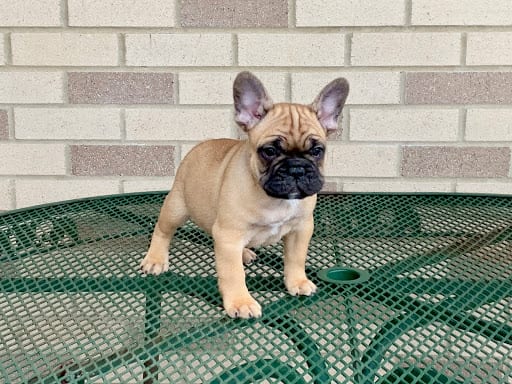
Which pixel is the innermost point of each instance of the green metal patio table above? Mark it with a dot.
(413, 288)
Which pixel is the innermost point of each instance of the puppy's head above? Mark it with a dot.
(287, 140)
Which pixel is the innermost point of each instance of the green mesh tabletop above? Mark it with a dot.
(412, 289)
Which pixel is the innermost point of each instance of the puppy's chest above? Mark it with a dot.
(275, 223)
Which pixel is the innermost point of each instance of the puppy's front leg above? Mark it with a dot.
(296, 245)
(237, 300)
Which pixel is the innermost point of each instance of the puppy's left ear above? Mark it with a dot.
(329, 103)
(251, 99)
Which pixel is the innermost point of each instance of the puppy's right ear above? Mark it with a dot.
(251, 99)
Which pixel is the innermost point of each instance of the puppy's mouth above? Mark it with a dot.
(292, 179)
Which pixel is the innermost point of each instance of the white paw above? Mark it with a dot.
(244, 307)
(303, 287)
(248, 256)
(155, 265)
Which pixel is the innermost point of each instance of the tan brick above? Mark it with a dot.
(405, 49)
(234, 13)
(493, 48)
(458, 88)
(31, 87)
(30, 13)
(357, 160)
(5, 195)
(147, 185)
(342, 13)
(67, 123)
(32, 159)
(4, 125)
(41, 191)
(365, 87)
(487, 187)
(404, 124)
(291, 49)
(217, 87)
(397, 186)
(121, 13)
(489, 124)
(122, 160)
(178, 124)
(461, 12)
(120, 88)
(191, 49)
(429, 161)
(73, 49)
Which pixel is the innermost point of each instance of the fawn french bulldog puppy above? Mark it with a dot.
(253, 192)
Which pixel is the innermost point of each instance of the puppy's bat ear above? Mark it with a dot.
(251, 100)
(329, 103)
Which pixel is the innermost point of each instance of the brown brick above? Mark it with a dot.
(118, 160)
(4, 127)
(234, 13)
(120, 88)
(458, 88)
(427, 161)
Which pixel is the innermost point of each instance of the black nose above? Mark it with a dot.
(297, 171)
(296, 168)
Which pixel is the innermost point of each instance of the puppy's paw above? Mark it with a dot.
(302, 286)
(244, 307)
(155, 264)
(248, 256)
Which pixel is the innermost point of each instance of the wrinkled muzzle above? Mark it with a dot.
(292, 178)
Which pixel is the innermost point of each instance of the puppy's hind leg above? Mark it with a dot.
(172, 215)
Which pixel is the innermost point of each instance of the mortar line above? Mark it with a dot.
(175, 106)
(177, 14)
(65, 93)
(262, 68)
(408, 13)
(10, 124)
(345, 124)
(121, 45)
(264, 30)
(7, 50)
(122, 125)
(461, 134)
(403, 79)
(400, 159)
(177, 156)
(292, 15)
(234, 48)
(176, 88)
(347, 61)
(64, 13)
(68, 167)
(463, 49)
(84, 178)
(288, 87)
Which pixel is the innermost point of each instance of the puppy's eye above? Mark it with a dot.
(268, 152)
(316, 151)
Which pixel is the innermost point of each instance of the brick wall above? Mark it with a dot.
(106, 96)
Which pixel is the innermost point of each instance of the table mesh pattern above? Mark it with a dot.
(412, 289)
